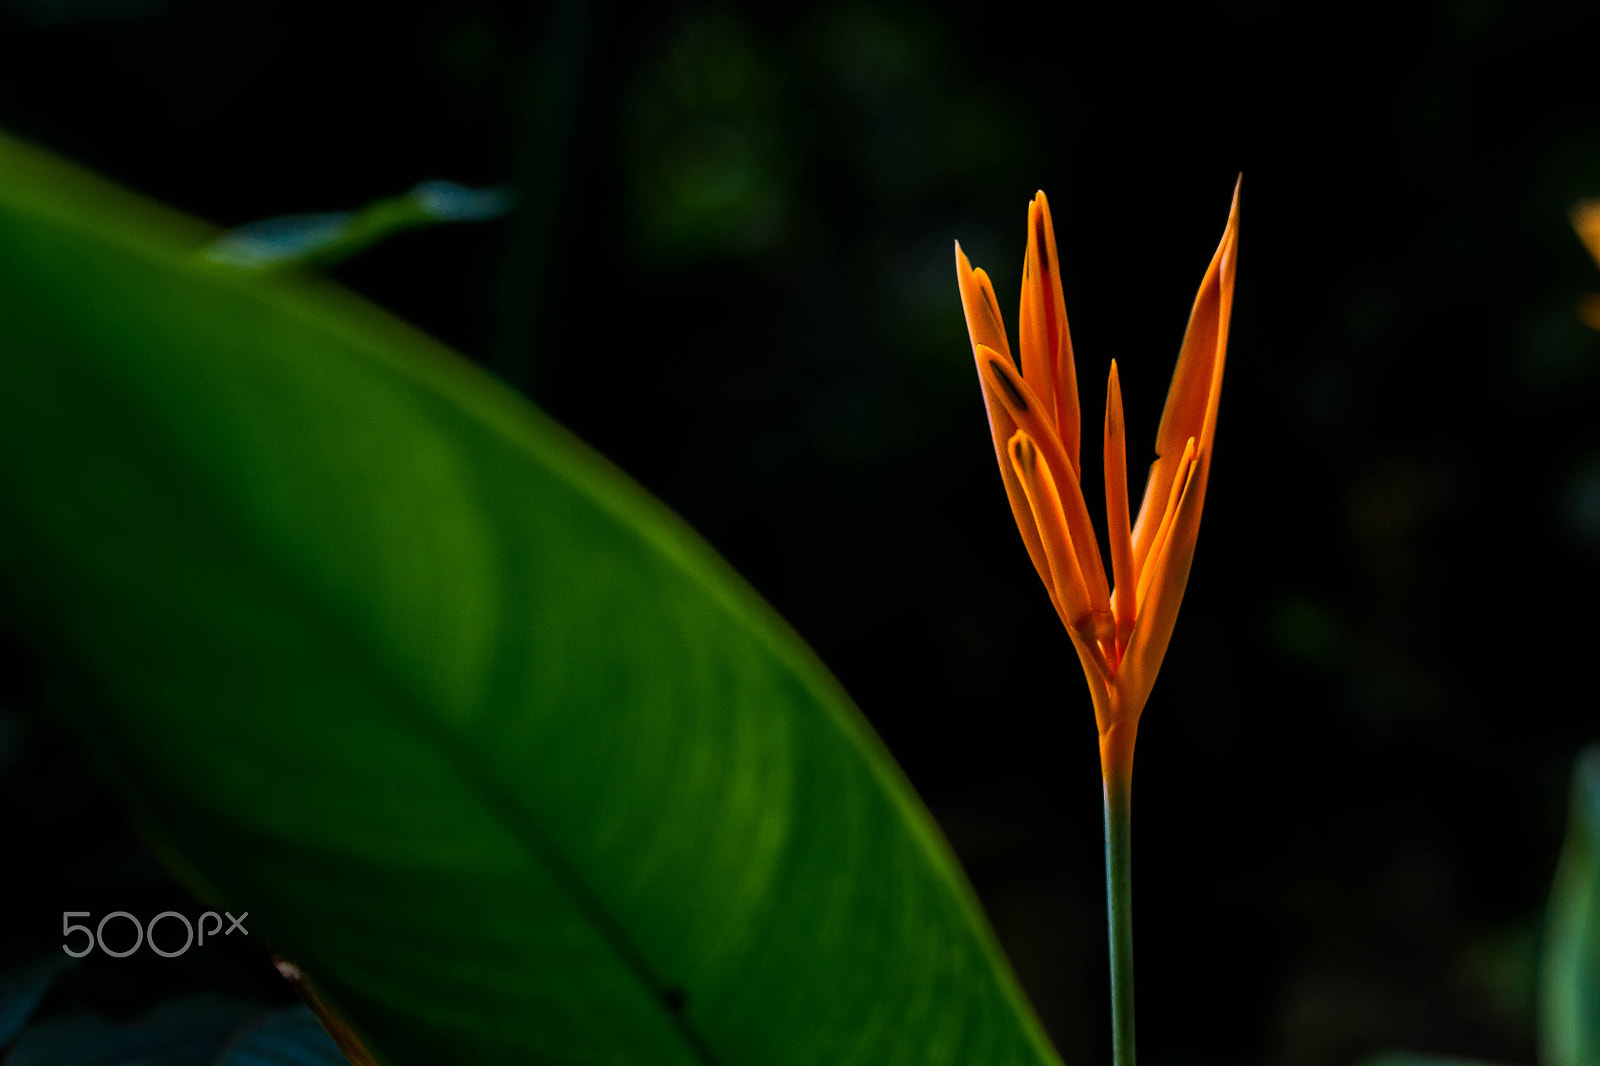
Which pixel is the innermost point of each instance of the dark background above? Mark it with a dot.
(731, 272)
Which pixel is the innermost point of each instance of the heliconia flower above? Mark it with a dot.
(1120, 629)
(1586, 220)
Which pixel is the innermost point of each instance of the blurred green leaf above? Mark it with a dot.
(201, 1031)
(324, 239)
(1569, 1023)
(483, 738)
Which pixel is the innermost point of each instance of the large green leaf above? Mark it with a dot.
(1569, 1008)
(481, 736)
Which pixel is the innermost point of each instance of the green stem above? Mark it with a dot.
(1119, 907)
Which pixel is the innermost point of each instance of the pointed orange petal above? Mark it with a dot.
(1033, 319)
(1123, 603)
(1072, 597)
(1028, 526)
(1196, 389)
(984, 324)
(1164, 529)
(1158, 610)
(986, 329)
(1001, 428)
(1586, 220)
(1002, 383)
(1046, 343)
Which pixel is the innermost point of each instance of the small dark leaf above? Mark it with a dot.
(288, 1037)
(200, 1031)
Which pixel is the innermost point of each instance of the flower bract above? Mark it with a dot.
(1119, 627)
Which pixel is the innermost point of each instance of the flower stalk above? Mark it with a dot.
(1116, 762)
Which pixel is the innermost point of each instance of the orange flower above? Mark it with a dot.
(1120, 630)
(1586, 220)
